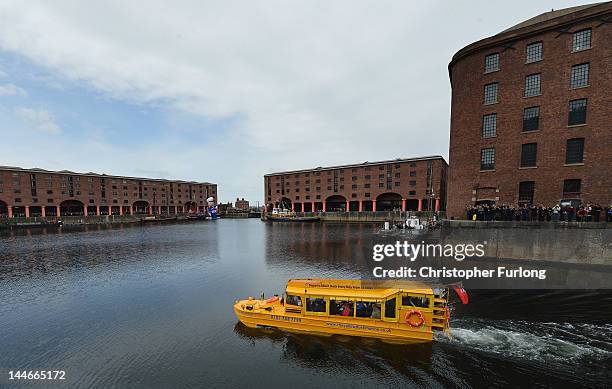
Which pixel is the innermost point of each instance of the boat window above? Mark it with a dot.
(390, 308)
(316, 304)
(368, 309)
(415, 301)
(342, 308)
(294, 300)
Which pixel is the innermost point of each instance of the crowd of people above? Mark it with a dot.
(586, 212)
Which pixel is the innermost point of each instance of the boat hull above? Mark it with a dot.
(275, 317)
(293, 219)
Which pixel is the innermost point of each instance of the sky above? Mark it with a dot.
(228, 91)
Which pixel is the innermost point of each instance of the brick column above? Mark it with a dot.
(348, 206)
(27, 211)
(293, 207)
(313, 207)
(10, 211)
(403, 205)
(58, 211)
(121, 210)
(42, 211)
(373, 205)
(324, 207)
(360, 206)
(85, 210)
(437, 205)
(97, 210)
(302, 207)
(420, 205)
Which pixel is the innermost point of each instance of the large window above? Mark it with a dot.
(531, 119)
(581, 40)
(343, 307)
(534, 52)
(294, 300)
(487, 159)
(580, 76)
(529, 155)
(492, 63)
(489, 125)
(526, 190)
(316, 304)
(532, 85)
(577, 112)
(490, 93)
(415, 301)
(574, 152)
(571, 187)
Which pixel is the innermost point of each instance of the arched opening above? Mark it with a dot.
(412, 205)
(35, 211)
(389, 202)
(297, 207)
(191, 207)
(140, 207)
(284, 203)
(72, 208)
(354, 206)
(335, 203)
(308, 207)
(3, 209)
(367, 205)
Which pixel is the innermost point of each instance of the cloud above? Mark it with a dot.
(11, 90)
(305, 83)
(41, 120)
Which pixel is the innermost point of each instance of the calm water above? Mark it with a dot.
(151, 306)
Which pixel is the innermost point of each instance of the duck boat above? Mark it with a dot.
(392, 311)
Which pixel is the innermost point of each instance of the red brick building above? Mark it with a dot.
(411, 184)
(242, 204)
(531, 115)
(38, 192)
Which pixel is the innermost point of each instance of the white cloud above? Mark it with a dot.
(313, 82)
(40, 120)
(11, 90)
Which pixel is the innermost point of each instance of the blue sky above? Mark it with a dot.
(227, 92)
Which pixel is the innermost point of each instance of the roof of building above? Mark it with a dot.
(552, 14)
(366, 163)
(91, 174)
(550, 20)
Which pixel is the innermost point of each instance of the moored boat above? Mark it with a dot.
(393, 311)
(285, 215)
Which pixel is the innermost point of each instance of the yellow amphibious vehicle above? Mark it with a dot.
(393, 311)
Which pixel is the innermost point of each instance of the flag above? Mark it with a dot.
(458, 287)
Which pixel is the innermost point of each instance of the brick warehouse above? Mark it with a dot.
(412, 184)
(38, 192)
(531, 114)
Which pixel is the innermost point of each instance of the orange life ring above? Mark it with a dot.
(414, 312)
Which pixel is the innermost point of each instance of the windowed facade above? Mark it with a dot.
(574, 152)
(532, 85)
(526, 191)
(581, 40)
(529, 155)
(531, 119)
(489, 126)
(487, 159)
(534, 52)
(580, 76)
(490, 93)
(577, 112)
(492, 63)
(571, 188)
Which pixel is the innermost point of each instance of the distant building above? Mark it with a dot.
(242, 204)
(531, 113)
(38, 192)
(409, 184)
